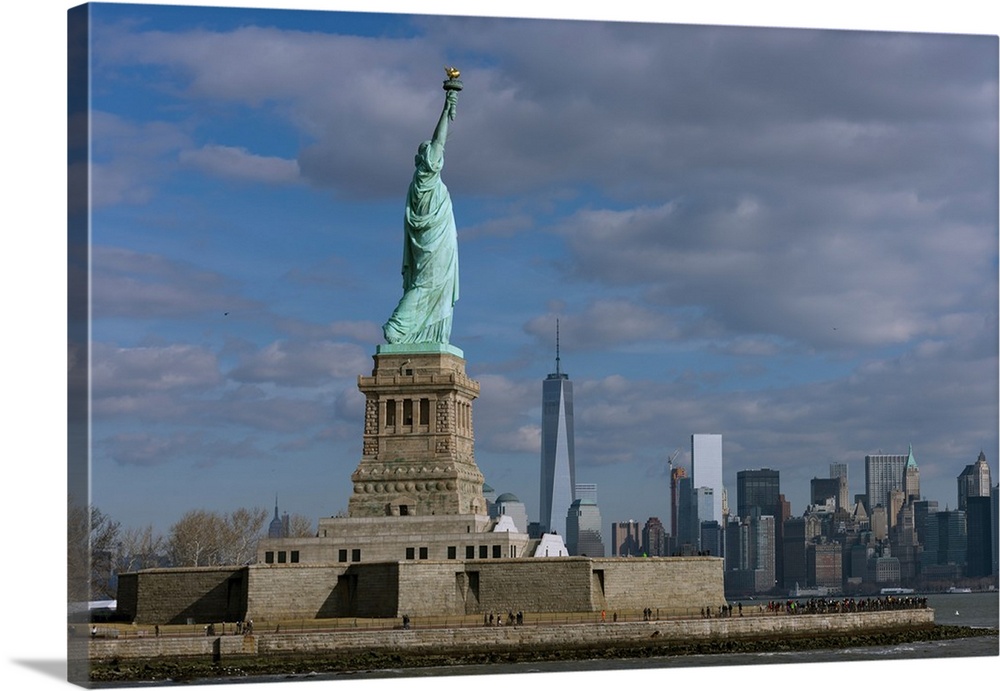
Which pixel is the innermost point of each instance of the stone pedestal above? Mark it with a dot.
(417, 458)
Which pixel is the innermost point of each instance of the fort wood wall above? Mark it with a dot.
(421, 588)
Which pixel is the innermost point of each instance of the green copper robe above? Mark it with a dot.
(430, 256)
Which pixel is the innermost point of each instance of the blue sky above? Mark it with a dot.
(786, 236)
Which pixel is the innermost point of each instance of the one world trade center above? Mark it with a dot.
(558, 480)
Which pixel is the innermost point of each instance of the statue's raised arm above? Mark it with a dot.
(430, 242)
(451, 86)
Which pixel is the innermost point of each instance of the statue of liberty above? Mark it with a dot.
(430, 242)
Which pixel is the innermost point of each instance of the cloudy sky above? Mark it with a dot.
(785, 236)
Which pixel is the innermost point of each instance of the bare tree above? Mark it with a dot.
(300, 526)
(195, 539)
(92, 543)
(207, 538)
(140, 548)
(243, 529)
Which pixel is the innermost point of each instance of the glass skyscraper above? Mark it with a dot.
(706, 469)
(757, 489)
(558, 477)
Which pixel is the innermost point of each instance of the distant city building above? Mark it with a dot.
(884, 473)
(762, 531)
(712, 539)
(911, 479)
(749, 560)
(995, 522)
(654, 538)
(509, 505)
(903, 539)
(626, 540)
(687, 516)
(823, 488)
(980, 533)
(757, 489)
(760, 491)
(676, 475)
(921, 509)
(824, 565)
(279, 527)
(704, 501)
(489, 494)
(859, 515)
(974, 481)
(558, 476)
(839, 471)
(878, 521)
(897, 498)
(586, 490)
(706, 469)
(884, 571)
(797, 534)
(583, 529)
(946, 542)
(738, 550)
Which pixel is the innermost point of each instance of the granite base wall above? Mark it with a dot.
(264, 592)
(178, 596)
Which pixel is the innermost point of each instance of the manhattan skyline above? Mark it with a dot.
(784, 236)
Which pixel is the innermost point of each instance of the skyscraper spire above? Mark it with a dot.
(276, 528)
(558, 371)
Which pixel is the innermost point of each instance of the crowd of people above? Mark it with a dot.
(834, 606)
(497, 619)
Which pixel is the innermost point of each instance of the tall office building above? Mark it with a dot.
(676, 475)
(824, 490)
(884, 473)
(654, 538)
(921, 509)
(979, 537)
(688, 524)
(711, 539)
(995, 522)
(586, 490)
(974, 481)
(764, 547)
(706, 469)
(911, 479)
(839, 470)
(797, 534)
(558, 481)
(583, 529)
(758, 489)
(704, 501)
(946, 541)
(626, 540)
(279, 527)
